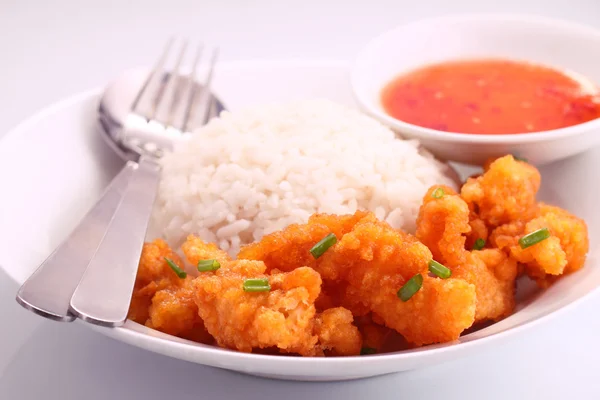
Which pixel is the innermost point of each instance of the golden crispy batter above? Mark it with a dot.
(507, 235)
(282, 317)
(376, 269)
(572, 233)
(381, 250)
(379, 337)
(154, 268)
(374, 335)
(479, 230)
(337, 334)
(437, 313)
(493, 273)
(347, 298)
(174, 311)
(153, 274)
(196, 250)
(563, 252)
(370, 263)
(288, 249)
(504, 193)
(442, 225)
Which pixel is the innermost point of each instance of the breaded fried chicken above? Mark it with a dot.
(174, 311)
(370, 263)
(338, 336)
(563, 252)
(442, 225)
(153, 274)
(288, 249)
(282, 317)
(504, 193)
(162, 300)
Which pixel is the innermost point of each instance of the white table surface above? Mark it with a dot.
(51, 49)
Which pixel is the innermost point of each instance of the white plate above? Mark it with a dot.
(54, 165)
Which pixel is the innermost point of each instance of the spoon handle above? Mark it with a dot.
(49, 290)
(104, 293)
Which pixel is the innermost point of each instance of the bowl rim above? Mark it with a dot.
(371, 109)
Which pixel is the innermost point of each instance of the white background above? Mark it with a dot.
(52, 49)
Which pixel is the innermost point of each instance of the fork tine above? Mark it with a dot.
(206, 98)
(192, 87)
(165, 85)
(172, 86)
(157, 67)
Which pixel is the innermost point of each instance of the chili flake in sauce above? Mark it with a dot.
(489, 97)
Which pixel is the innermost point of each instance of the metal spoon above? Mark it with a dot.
(49, 290)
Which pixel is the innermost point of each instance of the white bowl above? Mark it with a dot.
(55, 178)
(563, 45)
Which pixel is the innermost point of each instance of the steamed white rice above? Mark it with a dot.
(252, 172)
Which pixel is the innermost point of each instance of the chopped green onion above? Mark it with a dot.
(412, 286)
(367, 350)
(438, 193)
(257, 285)
(479, 244)
(180, 273)
(517, 158)
(321, 247)
(439, 270)
(208, 265)
(534, 238)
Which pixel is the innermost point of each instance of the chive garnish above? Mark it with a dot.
(438, 193)
(439, 270)
(208, 265)
(322, 246)
(479, 244)
(180, 273)
(412, 286)
(534, 238)
(522, 159)
(367, 350)
(256, 285)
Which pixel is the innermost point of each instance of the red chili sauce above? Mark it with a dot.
(489, 97)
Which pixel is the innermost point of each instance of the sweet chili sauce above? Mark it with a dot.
(489, 97)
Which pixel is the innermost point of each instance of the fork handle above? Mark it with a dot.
(48, 290)
(104, 293)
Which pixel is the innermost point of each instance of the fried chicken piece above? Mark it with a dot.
(174, 311)
(437, 313)
(479, 230)
(572, 232)
(289, 249)
(563, 252)
(442, 225)
(374, 335)
(504, 193)
(507, 235)
(368, 265)
(380, 338)
(375, 261)
(153, 274)
(162, 300)
(337, 334)
(282, 317)
(493, 273)
(196, 250)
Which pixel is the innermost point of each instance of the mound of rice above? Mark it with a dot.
(252, 172)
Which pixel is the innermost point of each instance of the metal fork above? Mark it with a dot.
(109, 239)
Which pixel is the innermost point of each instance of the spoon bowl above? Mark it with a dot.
(116, 102)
